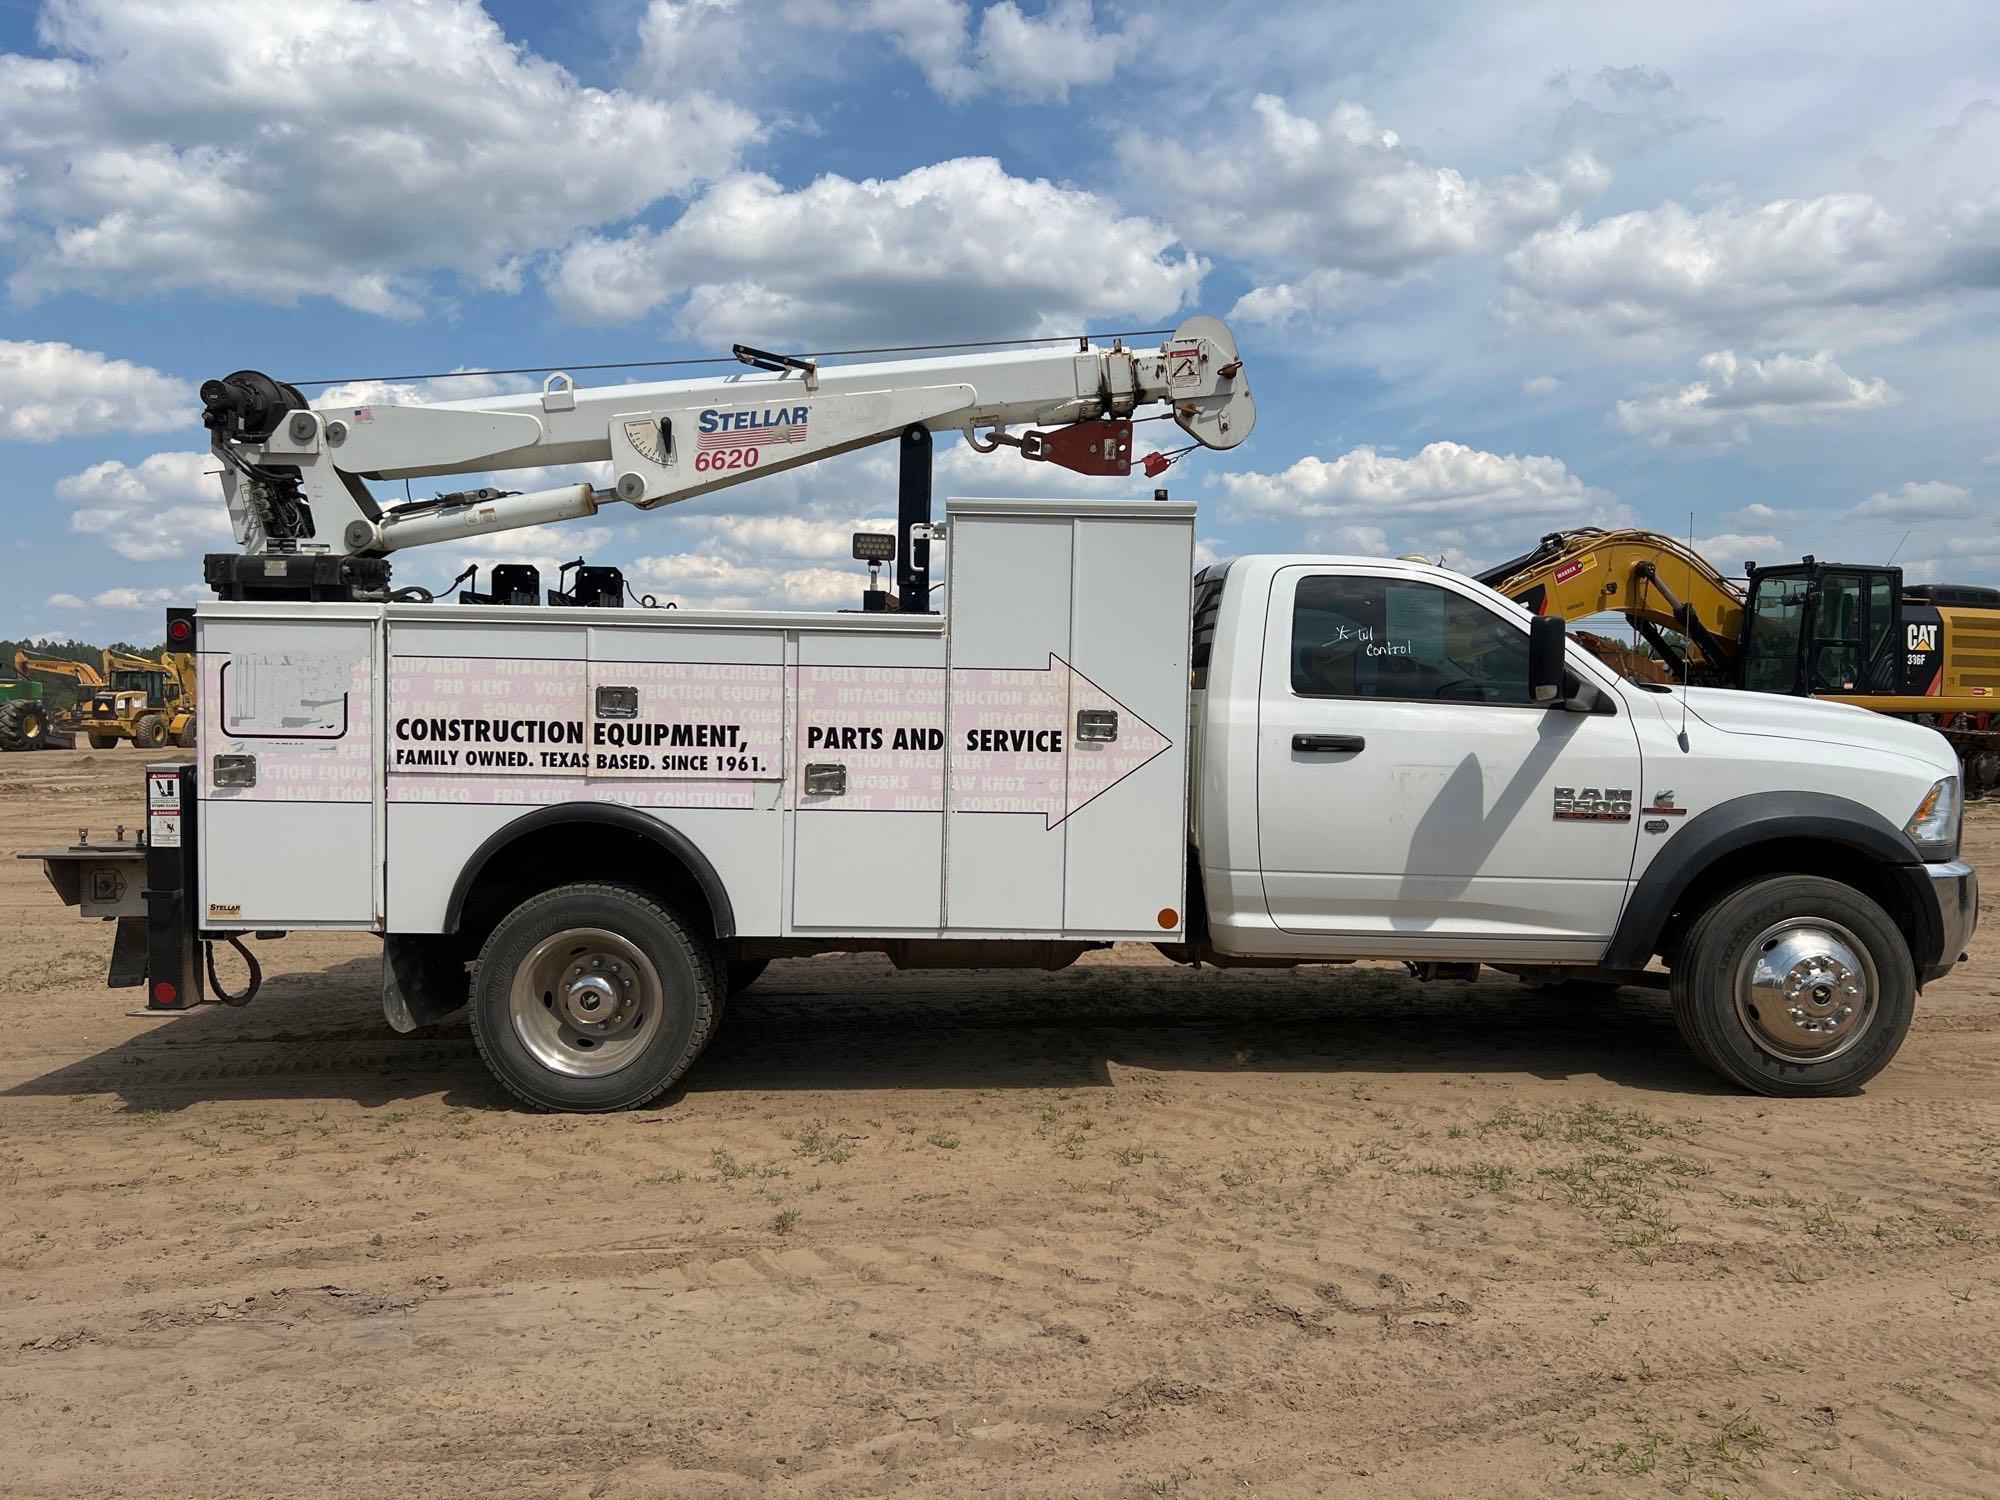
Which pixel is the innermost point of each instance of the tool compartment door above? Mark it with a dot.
(291, 705)
(1066, 747)
(1125, 829)
(868, 783)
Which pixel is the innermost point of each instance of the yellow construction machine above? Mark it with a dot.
(1851, 632)
(145, 701)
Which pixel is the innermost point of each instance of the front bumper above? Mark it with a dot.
(1955, 888)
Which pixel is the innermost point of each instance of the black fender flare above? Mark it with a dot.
(1763, 818)
(667, 838)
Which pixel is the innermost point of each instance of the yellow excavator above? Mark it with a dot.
(26, 722)
(145, 701)
(1851, 632)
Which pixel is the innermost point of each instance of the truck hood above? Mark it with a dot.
(1775, 716)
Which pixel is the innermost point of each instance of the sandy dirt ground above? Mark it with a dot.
(1124, 1230)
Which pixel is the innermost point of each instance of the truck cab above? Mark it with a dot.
(1379, 774)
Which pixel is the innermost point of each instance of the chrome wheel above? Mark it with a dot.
(586, 1001)
(1806, 989)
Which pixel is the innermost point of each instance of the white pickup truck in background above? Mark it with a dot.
(588, 826)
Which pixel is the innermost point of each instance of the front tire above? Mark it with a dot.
(1795, 987)
(593, 997)
(13, 726)
(149, 733)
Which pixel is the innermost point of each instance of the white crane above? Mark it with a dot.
(294, 476)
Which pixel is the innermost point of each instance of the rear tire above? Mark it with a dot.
(1795, 987)
(185, 737)
(593, 997)
(101, 741)
(150, 732)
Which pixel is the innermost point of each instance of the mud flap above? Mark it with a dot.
(173, 968)
(423, 980)
(128, 955)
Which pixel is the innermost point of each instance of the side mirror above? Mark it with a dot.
(1548, 657)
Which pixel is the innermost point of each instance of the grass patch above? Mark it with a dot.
(816, 1143)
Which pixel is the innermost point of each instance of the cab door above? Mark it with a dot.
(1411, 799)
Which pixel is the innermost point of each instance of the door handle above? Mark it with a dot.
(1349, 742)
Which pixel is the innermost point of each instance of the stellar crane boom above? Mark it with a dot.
(294, 476)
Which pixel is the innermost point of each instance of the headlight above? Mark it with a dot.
(1933, 827)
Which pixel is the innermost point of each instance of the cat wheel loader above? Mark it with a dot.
(150, 703)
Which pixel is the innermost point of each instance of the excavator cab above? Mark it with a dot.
(1824, 629)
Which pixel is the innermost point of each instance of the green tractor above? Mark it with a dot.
(26, 722)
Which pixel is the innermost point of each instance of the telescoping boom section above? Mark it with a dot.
(295, 476)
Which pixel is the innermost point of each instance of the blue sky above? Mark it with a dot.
(1495, 269)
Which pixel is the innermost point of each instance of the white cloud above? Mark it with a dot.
(124, 598)
(1736, 392)
(957, 249)
(461, 385)
(1729, 550)
(163, 506)
(696, 580)
(1357, 541)
(1444, 480)
(1758, 268)
(1757, 513)
(1303, 196)
(54, 390)
(1045, 56)
(1540, 385)
(319, 148)
(1618, 111)
(1926, 500)
(793, 537)
(1038, 58)
(1312, 298)
(1448, 499)
(793, 561)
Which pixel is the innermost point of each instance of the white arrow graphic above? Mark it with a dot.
(1014, 747)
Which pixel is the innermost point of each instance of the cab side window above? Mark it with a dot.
(1403, 639)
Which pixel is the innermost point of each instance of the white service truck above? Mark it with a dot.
(589, 825)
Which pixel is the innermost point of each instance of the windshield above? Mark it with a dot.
(1777, 616)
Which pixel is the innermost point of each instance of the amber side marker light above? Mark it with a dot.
(1169, 918)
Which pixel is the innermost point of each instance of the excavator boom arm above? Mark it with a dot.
(80, 672)
(1651, 579)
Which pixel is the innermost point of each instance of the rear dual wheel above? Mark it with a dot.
(594, 997)
(1795, 986)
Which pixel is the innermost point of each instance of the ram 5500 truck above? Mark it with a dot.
(587, 826)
